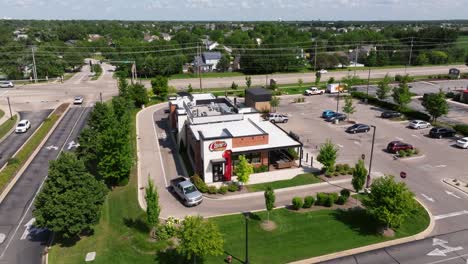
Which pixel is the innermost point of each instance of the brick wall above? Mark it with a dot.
(249, 141)
(173, 116)
(264, 157)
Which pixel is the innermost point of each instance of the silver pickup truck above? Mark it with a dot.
(187, 192)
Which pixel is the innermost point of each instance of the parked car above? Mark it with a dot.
(337, 116)
(418, 124)
(186, 191)
(440, 132)
(322, 71)
(328, 113)
(462, 143)
(277, 118)
(390, 114)
(6, 84)
(23, 126)
(313, 91)
(358, 128)
(78, 100)
(395, 146)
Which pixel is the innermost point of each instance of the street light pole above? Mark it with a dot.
(9, 106)
(338, 98)
(371, 155)
(246, 237)
(368, 81)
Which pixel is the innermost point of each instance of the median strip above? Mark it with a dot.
(29, 149)
(7, 127)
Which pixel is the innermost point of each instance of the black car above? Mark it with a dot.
(337, 116)
(358, 128)
(440, 132)
(390, 114)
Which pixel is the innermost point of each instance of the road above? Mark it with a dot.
(289, 78)
(14, 141)
(23, 244)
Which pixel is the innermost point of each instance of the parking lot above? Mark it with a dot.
(439, 157)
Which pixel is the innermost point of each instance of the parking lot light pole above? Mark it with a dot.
(247, 218)
(371, 155)
(9, 106)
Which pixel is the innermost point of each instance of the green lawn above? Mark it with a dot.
(7, 126)
(206, 75)
(2, 113)
(462, 42)
(301, 179)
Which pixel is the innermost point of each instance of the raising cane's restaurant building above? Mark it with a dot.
(214, 131)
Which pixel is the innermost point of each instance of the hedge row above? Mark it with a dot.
(408, 112)
(323, 199)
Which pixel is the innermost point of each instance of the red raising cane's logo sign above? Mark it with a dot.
(217, 146)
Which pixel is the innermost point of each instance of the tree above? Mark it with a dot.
(401, 95)
(438, 57)
(224, 63)
(269, 200)
(435, 104)
(466, 60)
(383, 88)
(327, 155)
(243, 170)
(422, 59)
(348, 107)
(389, 202)
(139, 95)
(160, 85)
(190, 88)
(152, 207)
(275, 101)
(359, 176)
(331, 80)
(199, 238)
(300, 82)
(318, 75)
(248, 81)
(71, 199)
(234, 86)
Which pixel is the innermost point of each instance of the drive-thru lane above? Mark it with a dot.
(22, 243)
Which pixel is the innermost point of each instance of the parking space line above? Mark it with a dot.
(399, 138)
(357, 142)
(339, 145)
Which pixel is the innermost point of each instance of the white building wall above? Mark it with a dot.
(208, 155)
(214, 62)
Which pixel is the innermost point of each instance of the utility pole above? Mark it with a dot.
(100, 96)
(371, 155)
(355, 59)
(34, 65)
(315, 56)
(411, 53)
(266, 81)
(368, 81)
(247, 217)
(199, 66)
(9, 106)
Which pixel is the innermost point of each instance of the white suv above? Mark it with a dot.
(6, 84)
(23, 126)
(418, 124)
(277, 118)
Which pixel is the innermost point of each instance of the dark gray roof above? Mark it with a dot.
(211, 55)
(258, 91)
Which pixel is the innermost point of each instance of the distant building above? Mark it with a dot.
(150, 38)
(94, 37)
(210, 45)
(258, 98)
(20, 34)
(166, 36)
(207, 62)
(364, 50)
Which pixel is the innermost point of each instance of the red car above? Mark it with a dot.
(395, 146)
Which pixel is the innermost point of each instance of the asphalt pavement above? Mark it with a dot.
(23, 243)
(14, 141)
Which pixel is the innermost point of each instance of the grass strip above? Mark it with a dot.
(2, 113)
(16, 162)
(7, 126)
(301, 179)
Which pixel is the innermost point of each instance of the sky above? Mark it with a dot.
(235, 10)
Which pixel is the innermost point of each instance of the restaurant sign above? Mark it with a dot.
(217, 146)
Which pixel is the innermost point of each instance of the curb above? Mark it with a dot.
(32, 156)
(448, 181)
(457, 103)
(260, 193)
(12, 129)
(411, 158)
(349, 252)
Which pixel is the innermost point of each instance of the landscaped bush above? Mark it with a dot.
(346, 167)
(341, 200)
(297, 203)
(462, 129)
(402, 153)
(308, 201)
(334, 195)
(321, 198)
(262, 168)
(338, 167)
(212, 190)
(233, 187)
(328, 174)
(336, 173)
(345, 192)
(199, 183)
(330, 201)
(223, 189)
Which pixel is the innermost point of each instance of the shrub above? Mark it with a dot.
(223, 189)
(343, 172)
(341, 200)
(308, 201)
(336, 173)
(339, 167)
(297, 203)
(261, 168)
(345, 192)
(462, 129)
(409, 152)
(329, 201)
(402, 153)
(346, 167)
(199, 183)
(233, 187)
(212, 190)
(321, 198)
(334, 196)
(351, 171)
(328, 174)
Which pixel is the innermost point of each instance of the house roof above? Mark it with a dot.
(211, 55)
(258, 91)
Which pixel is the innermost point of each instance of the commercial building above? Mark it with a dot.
(214, 131)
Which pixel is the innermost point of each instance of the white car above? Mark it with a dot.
(277, 118)
(6, 84)
(78, 100)
(23, 126)
(462, 143)
(418, 124)
(322, 71)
